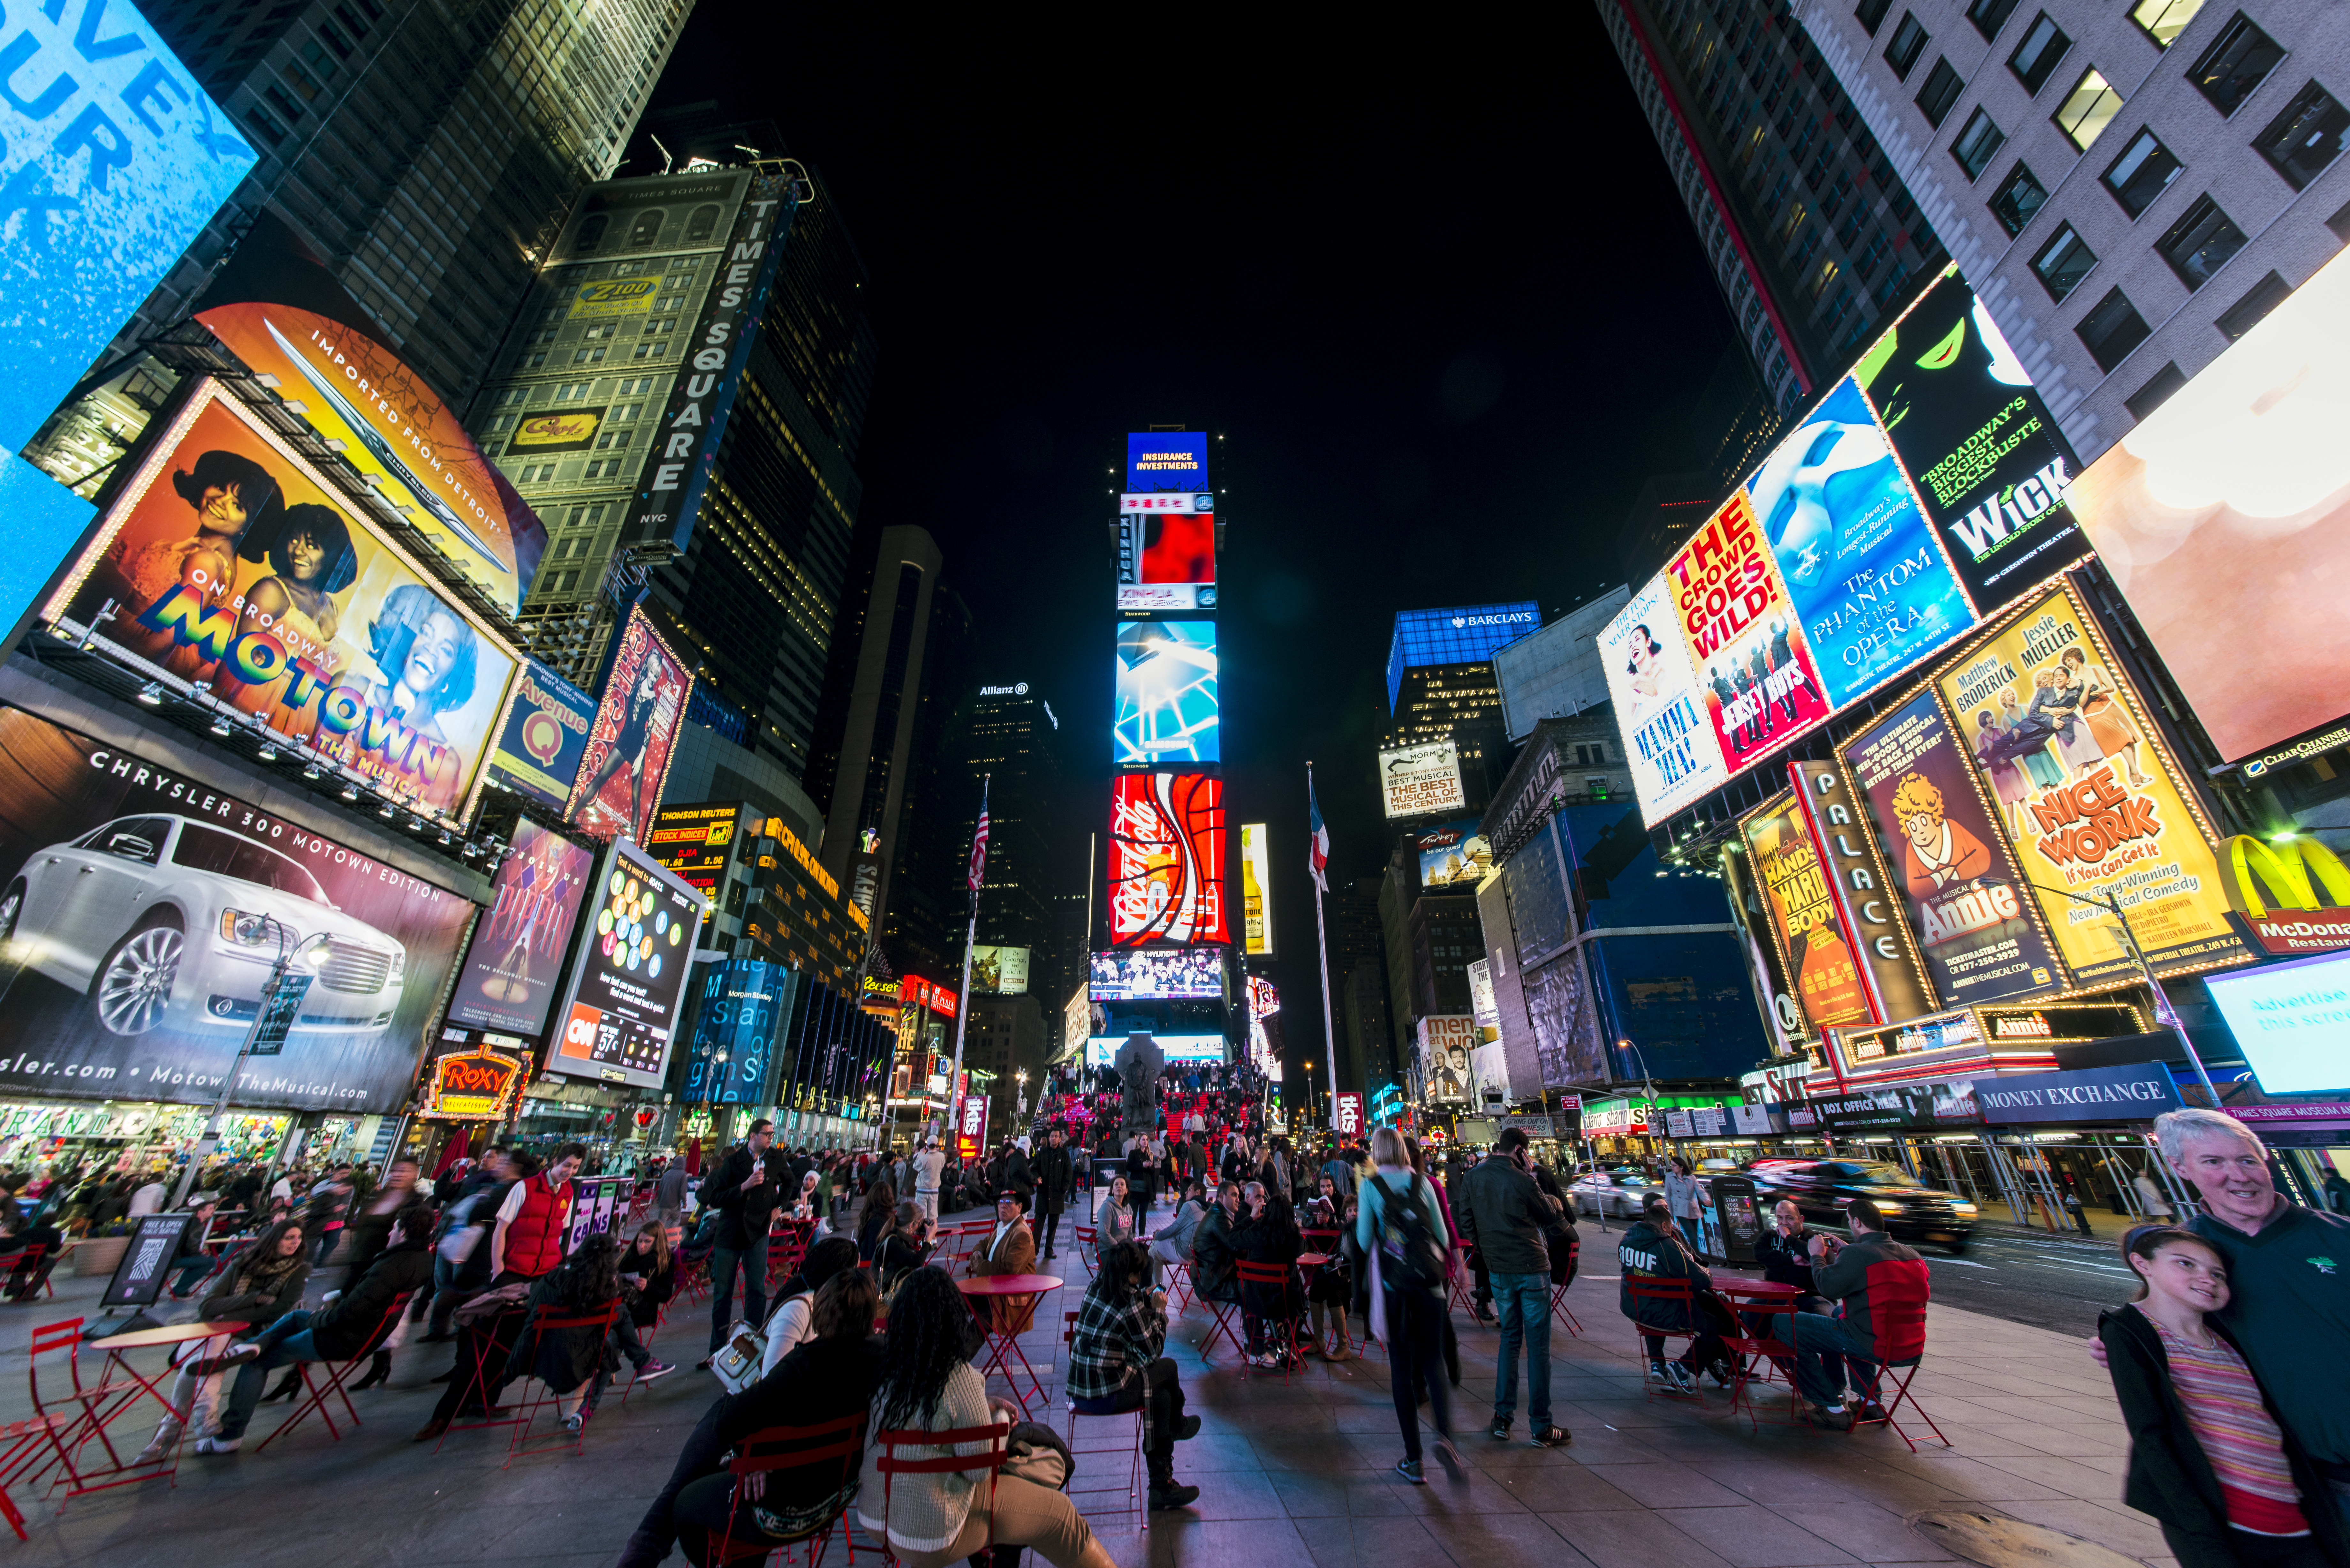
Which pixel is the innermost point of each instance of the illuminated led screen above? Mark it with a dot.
(1183, 974)
(1166, 708)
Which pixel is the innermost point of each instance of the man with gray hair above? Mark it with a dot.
(2287, 1278)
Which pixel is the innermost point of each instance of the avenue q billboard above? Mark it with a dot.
(1923, 492)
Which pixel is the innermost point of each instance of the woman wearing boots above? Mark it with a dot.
(257, 1286)
(1115, 1365)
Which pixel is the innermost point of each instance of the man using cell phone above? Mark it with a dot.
(745, 1189)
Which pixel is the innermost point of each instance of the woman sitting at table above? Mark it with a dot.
(1116, 1365)
(793, 1322)
(929, 1384)
(258, 1285)
(831, 1375)
(1119, 1218)
(1268, 1238)
(648, 1271)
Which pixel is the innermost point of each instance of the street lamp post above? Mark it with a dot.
(2112, 905)
(265, 1015)
(1645, 1078)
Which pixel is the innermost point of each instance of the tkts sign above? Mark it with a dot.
(475, 1085)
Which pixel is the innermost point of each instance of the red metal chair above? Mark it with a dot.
(1558, 1307)
(22, 1444)
(1285, 1325)
(1460, 1279)
(1765, 1351)
(79, 1414)
(774, 1449)
(1221, 1313)
(890, 1466)
(1084, 1235)
(526, 1414)
(1671, 1293)
(488, 1341)
(1134, 1472)
(1898, 1290)
(29, 1272)
(331, 1381)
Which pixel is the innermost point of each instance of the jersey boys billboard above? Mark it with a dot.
(140, 912)
(229, 561)
(1167, 859)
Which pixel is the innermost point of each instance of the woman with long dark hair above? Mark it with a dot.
(905, 1247)
(1269, 1236)
(878, 1219)
(648, 1273)
(1116, 1365)
(928, 1384)
(576, 1363)
(791, 1321)
(258, 1284)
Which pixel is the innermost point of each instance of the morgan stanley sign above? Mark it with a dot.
(2139, 1093)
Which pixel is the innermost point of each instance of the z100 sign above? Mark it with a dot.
(142, 910)
(1167, 859)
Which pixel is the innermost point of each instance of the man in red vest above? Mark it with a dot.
(534, 1220)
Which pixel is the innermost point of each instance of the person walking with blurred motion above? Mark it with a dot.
(2208, 1459)
(1401, 1230)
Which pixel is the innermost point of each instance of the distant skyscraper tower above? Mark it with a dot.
(425, 152)
(1812, 236)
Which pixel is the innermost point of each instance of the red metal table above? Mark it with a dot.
(110, 1400)
(1004, 1344)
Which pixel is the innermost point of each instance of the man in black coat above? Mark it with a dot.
(1056, 1178)
(745, 1190)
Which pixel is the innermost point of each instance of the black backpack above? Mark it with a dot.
(1409, 1256)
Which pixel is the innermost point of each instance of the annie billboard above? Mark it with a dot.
(142, 910)
(228, 561)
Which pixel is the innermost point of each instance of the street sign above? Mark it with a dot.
(280, 1006)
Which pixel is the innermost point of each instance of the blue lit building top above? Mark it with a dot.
(1463, 635)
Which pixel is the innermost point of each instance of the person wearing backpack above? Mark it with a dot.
(1401, 1230)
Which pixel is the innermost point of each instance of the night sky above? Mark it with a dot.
(1432, 290)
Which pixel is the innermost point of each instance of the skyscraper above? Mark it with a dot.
(426, 153)
(1811, 234)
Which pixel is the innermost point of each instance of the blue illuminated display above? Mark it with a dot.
(1166, 460)
(1465, 634)
(1167, 699)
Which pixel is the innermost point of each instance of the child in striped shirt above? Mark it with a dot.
(2208, 1459)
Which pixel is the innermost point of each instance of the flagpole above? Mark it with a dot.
(1322, 942)
(962, 997)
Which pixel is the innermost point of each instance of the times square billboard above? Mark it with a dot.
(1923, 492)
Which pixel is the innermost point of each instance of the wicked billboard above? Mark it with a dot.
(141, 912)
(229, 562)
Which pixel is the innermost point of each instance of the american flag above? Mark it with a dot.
(1317, 837)
(978, 843)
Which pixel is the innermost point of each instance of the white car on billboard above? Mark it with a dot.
(160, 921)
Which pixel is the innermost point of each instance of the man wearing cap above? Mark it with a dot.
(1010, 1249)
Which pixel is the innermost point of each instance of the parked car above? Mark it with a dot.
(1613, 1193)
(1820, 1188)
(162, 919)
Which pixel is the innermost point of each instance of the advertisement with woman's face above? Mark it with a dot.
(228, 561)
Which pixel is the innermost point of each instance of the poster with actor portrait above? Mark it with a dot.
(626, 765)
(1761, 684)
(229, 562)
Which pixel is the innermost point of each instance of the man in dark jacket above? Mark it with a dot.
(1652, 1248)
(1214, 1260)
(1019, 1176)
(344, 1329)
(1825, 1346)
(1785, 1251)
(1056, 1179)
(745, 1190)
(1503, 1213)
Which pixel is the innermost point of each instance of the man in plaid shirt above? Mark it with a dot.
(1115, 1365)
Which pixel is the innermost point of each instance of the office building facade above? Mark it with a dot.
(2128, 188)
(1808, 228)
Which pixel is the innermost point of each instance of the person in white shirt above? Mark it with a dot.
(281, 1189)
(148, 1199)
(929, 1166)
(791, 1323)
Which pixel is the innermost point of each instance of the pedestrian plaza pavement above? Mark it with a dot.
(1296, 1472)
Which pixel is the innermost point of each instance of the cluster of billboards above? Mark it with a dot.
(628, 984)
(1167, 859)
(1922, 494)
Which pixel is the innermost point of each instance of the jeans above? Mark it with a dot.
(327, 1239)
(282, 1344)
(1824, 1348)
(723, 1262)
(1523, 1300)
(1692, 1233)
(188, 1271)
(630, 1342)
(1416, 1362)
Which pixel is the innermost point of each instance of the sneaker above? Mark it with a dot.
(652, 1369)
(1678, 1376)
(235, 1355)
(1409, 1470)
(1832, 1420)
(218, 1444)
(1450, 1457)
(1500, 1433)
(1552, 1437)
(574, 1422)
(1867, 1410)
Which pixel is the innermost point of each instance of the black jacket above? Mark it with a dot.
(353, 1321)
(1788, 1260)
(561, 1358)
(2169, 1477)
(746, 1213)
(1266, 1242)
(1213, 1256)
(1503, 1213)
(1056, 1175)
(1648, 1252)
(1017, 1174)
(255, 1309)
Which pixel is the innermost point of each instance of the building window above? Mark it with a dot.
(1871, 15)
(282, 101)
(2300, 142)
(2200, 244)
(2063, 262)
(2018, 200)
(1941, 93)
(2245, 314)
(2238, 61)
(2111, 329)
(2156, 392)
(587, 356)
(263, 121)
(1908, 42)
(2142, 171)
(1989, 16)
(2088, 108)
(572, 391)
(2163, 20)
(2044, 45)
(1977, 145)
